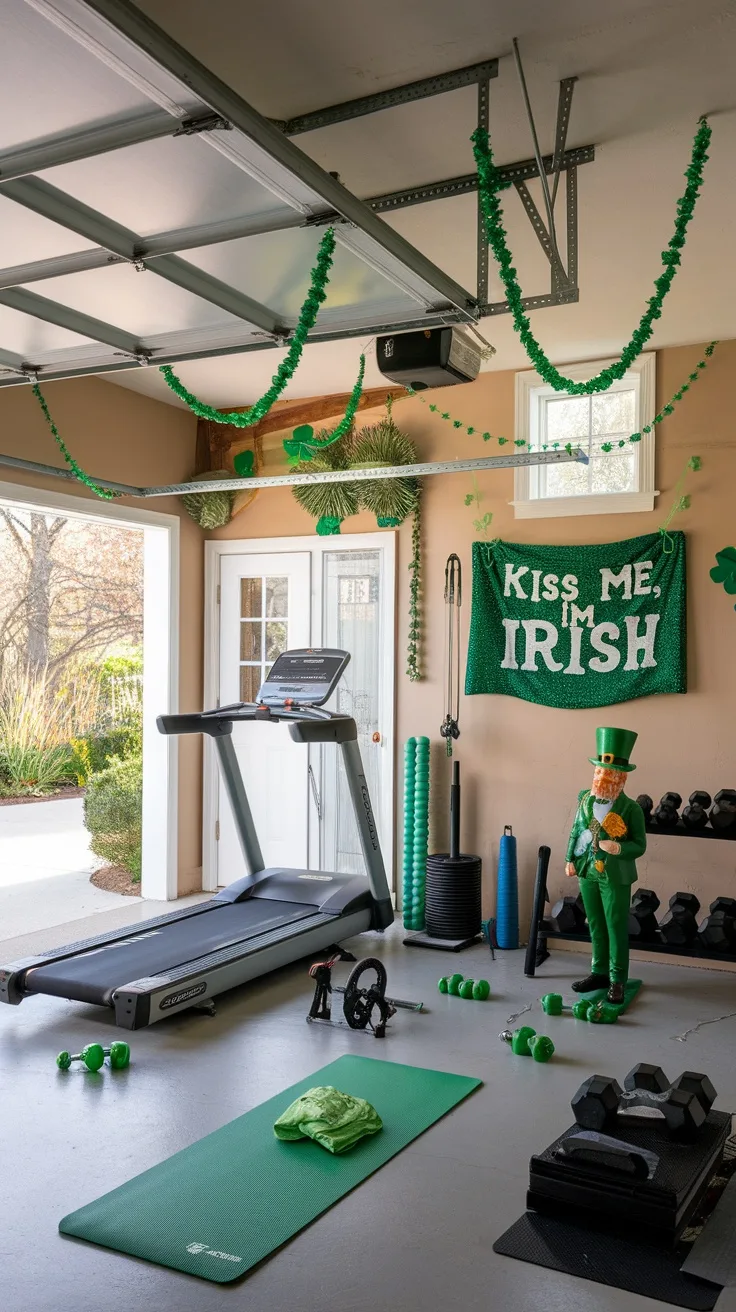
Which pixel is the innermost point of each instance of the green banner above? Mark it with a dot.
(579, 626)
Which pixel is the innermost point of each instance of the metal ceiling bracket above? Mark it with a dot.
(403, 95)
(189, 127)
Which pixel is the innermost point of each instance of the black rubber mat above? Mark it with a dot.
(606, 1259)
(93, 976)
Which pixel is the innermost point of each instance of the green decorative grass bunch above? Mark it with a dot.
(328, 503)
(391, 500)
(210, 509)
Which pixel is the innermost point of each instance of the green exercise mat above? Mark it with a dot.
(631, 988)
(221, 1205)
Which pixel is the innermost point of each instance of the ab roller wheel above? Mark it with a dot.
(93, 1056)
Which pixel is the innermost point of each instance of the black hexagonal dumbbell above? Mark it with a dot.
(666, 812)
(684, 1105)
(678, 926)
(723, 812)
(695, 814)
(717, 932)
(642, 915)
(568, 915)
(646, 804)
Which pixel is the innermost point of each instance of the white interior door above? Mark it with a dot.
(265, 609)
(357, 615)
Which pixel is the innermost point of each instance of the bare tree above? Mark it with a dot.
(71, 588)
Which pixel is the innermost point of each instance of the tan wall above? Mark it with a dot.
(685, 742)
(115, 433)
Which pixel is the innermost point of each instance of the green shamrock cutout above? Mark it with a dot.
(725, 570)
(299, 446)
(244, 464)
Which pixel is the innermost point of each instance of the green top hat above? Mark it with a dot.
(614, 747)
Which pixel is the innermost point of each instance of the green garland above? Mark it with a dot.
(304, 446)
(606, 446)
(76, 469)
(319, 279)
(488, 187)
(413, 667)
(680, 502)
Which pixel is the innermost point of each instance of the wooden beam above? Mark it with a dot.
(218, 438)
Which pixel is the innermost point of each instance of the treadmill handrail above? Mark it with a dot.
(220, 721)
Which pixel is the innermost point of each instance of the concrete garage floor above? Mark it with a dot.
(418, 1235)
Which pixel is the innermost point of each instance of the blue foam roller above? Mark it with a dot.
(507, 895)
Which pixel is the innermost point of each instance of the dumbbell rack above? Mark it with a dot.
(540, 929)
(684, 832)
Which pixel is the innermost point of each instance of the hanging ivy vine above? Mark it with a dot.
(319, 278)
(489, 184)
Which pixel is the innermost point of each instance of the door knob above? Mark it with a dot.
(376, 737)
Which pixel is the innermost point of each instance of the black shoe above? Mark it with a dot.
(616, 993)
(590, 983)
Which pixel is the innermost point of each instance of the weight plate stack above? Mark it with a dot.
(452, 896)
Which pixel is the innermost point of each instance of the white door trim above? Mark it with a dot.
(159, 877)
(213, 553)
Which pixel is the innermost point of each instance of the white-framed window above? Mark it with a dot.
(618, 481)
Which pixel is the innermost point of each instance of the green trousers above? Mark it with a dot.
(607, 908)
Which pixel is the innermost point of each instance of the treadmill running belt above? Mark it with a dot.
(95, 975)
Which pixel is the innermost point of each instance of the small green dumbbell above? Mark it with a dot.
(481, 990)
(519, 1040)
(93, 1056)
(602, 1013)
(453, 984)
(442, 984)
(541, 1047)
(466, 988)
(553, 1005)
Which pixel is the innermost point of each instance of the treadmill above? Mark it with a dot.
(263, 920)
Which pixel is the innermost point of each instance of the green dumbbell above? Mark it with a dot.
(442, 984)
(466, 988)
(481, 990)
(602, 1013)
(553, 1005)
(541, 1047)
(519, 1040)
(453, 984)
(93, 1056)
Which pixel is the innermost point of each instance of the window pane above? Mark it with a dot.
(275, 638)
(567, 418)
(277, 597)
(565, 480)
(251, 593)
(610, 473)
(250, 640)
(250, 682)
(613, 412)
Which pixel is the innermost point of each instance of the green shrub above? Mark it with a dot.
(94, 752)
(113, 807)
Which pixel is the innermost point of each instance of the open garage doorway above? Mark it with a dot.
(88, 659)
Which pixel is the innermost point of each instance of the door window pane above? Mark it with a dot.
(251, 598)
(250, 682)
(251, 639)
(275, 639)
(277, 596)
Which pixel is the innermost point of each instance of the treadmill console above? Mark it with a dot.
(306, 677)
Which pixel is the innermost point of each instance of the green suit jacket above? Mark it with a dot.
(581, 848)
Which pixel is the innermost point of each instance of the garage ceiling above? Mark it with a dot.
(73, 232)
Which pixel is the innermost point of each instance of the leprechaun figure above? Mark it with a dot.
(607, 838)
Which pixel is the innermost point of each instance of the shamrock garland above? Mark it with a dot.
(76, 469)
(555, 446)
(488, 188)
(319, 279)
(302, 445)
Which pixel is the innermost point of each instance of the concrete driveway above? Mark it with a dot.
(45, 865)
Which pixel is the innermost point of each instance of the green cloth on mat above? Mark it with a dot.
(335, 1120)
(221, 1205)
(631, 988)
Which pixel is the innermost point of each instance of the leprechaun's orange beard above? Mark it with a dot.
(607, 783)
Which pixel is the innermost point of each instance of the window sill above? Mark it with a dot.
(618, 503)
